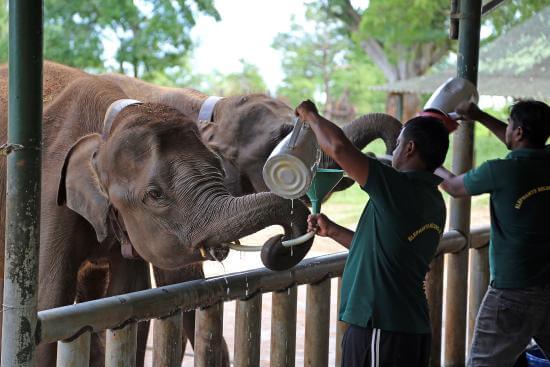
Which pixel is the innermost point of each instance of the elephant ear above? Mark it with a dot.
(79, 185)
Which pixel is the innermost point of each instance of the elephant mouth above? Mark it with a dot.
(217, 253)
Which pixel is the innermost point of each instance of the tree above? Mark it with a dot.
(146, 36)
(3, 31)
(405, 38)
(246, 81)
(320, 62)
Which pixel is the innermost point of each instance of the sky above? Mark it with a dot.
(246, 31)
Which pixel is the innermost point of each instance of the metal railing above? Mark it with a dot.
(119, 315)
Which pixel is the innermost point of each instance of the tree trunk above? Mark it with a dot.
(402, 106)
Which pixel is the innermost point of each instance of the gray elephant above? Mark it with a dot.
(117, 173)
(245, 129)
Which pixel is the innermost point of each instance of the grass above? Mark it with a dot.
(345, 207)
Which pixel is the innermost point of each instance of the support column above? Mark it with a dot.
(23, 182)
(283, 328)
(478, 283)
(121, 346)
(463, 140)
(209, 336)
(317, 324)
(74, 353)
(248, 329)
(167, 342)
(434, 294)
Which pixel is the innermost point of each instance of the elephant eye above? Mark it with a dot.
(153, 193)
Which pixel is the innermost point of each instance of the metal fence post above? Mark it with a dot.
(74, 353)
(121, 347)
(167, 341)
(341, 328)
(283, 328)
(463, 140)
(208, 336)
(23, 183)
(478, 274)
(248, 327)
(317, 324)
(434, 294)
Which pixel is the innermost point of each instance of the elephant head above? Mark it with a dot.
(247, 129)
(159, 186)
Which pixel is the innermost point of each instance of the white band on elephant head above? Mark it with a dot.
(113, 111)
(207, 109)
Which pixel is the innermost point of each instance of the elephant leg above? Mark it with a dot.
(56, 288)
(92, 283)
(185, 274)
(124, 276)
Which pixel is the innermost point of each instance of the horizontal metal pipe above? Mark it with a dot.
(112, 312)
(479, 237)
(453, 241)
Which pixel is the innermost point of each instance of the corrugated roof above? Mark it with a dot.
(516, 64)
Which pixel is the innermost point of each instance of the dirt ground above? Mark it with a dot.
(237, 262)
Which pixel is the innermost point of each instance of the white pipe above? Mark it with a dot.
(298, 240)
(239, 247)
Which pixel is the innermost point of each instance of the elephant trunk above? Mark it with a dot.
(363, 130)
(241, 216)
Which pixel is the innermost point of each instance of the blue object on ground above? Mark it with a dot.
(535, 358)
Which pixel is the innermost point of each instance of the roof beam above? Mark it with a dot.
(490, 6)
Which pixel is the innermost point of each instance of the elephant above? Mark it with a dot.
(245, 129)
(119, 173)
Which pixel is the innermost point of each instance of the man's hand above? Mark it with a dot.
(320, 224)
(307, 111)
(469, 110)
(452, 184)
(324, 227)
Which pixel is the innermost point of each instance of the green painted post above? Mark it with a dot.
(23, 183)
(463, 147)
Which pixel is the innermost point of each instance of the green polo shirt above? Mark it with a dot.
(519, 251)
(391, 251)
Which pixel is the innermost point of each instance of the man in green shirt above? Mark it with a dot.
(516, 306)
(383, 296)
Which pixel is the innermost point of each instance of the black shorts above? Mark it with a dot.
(368, 347)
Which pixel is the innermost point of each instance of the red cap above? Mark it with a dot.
(449, 123)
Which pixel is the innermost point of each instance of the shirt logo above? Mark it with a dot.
(530, 193)
(424, 228)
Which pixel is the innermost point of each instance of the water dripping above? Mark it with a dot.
(212, 253)
(291, 224)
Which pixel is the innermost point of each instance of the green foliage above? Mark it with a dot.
(510, 13)
(312, 53)
(247, 80)
(3, 31)
(322, 64)
(401, 26)
(149, 35)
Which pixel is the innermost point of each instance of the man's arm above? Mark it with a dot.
(334, 142)
(452, 184)
(471, 111)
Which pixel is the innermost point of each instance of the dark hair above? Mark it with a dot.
(534, 119)
(431, 139)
